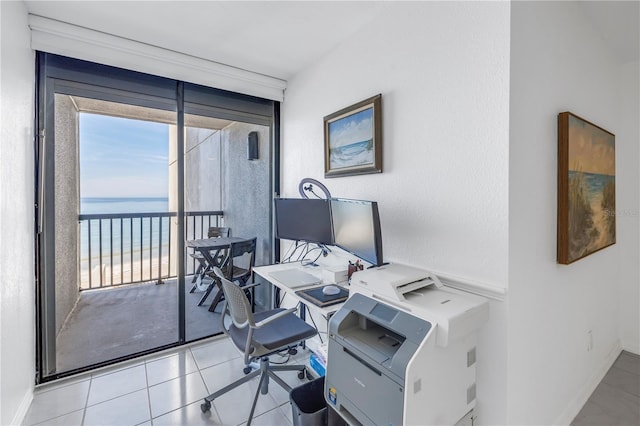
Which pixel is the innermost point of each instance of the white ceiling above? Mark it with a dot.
(276, 38)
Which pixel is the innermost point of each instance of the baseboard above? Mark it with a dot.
(21, 413)
(574, 407)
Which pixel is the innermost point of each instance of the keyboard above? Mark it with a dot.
(295, 277)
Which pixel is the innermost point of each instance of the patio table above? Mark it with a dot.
(210, 249)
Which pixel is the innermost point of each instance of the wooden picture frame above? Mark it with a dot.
(586, 188)
(353, 139)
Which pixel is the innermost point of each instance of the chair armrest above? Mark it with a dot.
(276, 316)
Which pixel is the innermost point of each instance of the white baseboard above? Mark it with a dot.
(574, 407)
(21, 413)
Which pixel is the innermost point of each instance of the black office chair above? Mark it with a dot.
(203, 267)
(258, 336)
(237, 267)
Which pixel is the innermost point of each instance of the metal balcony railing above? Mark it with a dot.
(127, 248)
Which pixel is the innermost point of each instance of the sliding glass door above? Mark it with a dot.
(131, 166)
(228, 157)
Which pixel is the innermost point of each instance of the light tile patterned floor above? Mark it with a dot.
(164, 389)
(167, 389)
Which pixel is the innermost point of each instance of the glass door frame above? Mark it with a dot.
(58, 74)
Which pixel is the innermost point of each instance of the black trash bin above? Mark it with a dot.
(308, 404)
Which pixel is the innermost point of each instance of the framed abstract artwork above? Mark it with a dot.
(586, 188)
(353, 139)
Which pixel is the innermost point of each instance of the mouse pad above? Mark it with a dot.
(315, 296)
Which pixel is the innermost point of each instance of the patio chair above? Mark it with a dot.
(238, 267)
(203, 266)
(258, 336)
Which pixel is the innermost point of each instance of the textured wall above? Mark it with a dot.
(202, 169)
(443, 71)
(66, 207)
(247, 190)
(17, 288)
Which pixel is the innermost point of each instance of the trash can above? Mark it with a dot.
(308, 404)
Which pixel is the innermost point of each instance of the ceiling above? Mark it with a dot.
(278, 38)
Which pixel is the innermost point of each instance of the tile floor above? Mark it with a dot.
(164, 389)
(616, 400)
(167, 389)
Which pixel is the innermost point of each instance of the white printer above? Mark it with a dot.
(402, 349)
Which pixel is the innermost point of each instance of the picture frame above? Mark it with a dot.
(586, 188)
(353, 139)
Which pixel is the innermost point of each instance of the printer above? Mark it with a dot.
(402, 349)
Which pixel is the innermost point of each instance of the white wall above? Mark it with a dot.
(628, 218)
(17, 313)
(559, 63)
(443, 71)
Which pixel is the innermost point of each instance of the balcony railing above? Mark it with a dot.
(127, 248)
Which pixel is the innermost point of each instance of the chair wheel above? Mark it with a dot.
(293, 351)
(205, 406)
(302, 373)
(246, 370)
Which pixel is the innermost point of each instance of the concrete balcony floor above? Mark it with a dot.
(114, 322)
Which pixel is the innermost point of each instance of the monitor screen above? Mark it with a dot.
(302, 219)
(356, 228)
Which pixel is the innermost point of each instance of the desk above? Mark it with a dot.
(265, 272)
(206, 246)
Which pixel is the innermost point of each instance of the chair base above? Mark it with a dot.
(266, 371)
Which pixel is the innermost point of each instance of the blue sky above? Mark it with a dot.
(120, 157)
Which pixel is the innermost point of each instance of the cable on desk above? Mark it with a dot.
(307, 262)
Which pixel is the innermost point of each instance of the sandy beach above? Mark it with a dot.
(128, 272)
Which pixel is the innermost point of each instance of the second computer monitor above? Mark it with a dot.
(356, 228)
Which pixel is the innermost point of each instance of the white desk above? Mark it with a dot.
(265, 272)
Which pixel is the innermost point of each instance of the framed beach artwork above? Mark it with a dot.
(586, 188)
(353, 139)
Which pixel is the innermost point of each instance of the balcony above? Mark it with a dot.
(113, 322)
(127, 293)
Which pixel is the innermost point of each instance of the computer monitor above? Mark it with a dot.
(302, 219)
(356, 228)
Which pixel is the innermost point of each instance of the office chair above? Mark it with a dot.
(237, 267)
(258, 336)
(203, 266)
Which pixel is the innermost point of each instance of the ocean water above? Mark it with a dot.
(95, 205)
(127, 237)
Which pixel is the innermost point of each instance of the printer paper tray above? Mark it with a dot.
(364, 386)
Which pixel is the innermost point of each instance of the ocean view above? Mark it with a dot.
(132, 242)
(96, 205)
